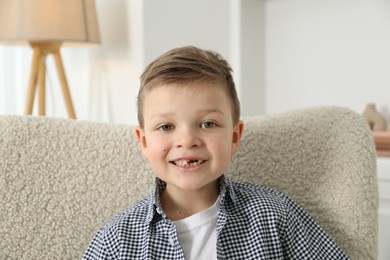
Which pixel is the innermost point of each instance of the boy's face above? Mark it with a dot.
(188, 135)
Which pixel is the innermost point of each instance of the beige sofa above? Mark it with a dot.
(60, 179)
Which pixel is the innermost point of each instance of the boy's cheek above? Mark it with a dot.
(156, 149)
(144, 151)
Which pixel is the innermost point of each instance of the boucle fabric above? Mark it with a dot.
(62, 179)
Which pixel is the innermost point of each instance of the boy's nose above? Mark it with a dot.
(187, 138)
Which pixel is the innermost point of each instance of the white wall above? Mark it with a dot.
(12, 86)
(252, 57)
(327, 52)
(116, 64)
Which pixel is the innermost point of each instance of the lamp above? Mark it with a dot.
(46, 25)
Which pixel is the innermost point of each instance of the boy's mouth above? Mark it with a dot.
(187, 163)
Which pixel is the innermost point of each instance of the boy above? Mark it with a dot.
(189, 128)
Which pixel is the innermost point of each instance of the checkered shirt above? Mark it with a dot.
(254, 222)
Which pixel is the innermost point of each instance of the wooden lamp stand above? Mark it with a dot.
(38, 78)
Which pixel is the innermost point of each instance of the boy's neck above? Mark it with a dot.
(179, 204)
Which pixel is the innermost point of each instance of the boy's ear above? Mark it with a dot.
(237, 133)
(139, 132)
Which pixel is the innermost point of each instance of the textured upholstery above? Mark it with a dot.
(61, 179)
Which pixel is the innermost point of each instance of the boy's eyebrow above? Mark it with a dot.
(203, 111)
(209, 111)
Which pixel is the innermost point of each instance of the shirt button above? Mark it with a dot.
(171, 241)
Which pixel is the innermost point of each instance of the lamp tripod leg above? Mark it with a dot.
(42, 87)
(64, 84)
(32, 84)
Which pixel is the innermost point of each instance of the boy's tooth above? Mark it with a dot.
(187, 162)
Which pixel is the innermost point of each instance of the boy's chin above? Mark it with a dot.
(193, 186)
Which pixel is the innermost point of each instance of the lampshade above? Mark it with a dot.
(71, 21)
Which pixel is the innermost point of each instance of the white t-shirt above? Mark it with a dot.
(197, 234)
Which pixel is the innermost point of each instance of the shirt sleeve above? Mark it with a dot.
(304, 239)
(100, 248)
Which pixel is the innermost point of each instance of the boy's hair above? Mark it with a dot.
(188, 64)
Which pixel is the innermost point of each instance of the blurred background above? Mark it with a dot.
(285, 54)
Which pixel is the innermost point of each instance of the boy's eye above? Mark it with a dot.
(165, 128)
(208, 125)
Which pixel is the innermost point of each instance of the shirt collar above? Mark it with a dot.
(154, 205)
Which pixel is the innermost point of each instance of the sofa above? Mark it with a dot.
(62, 179)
